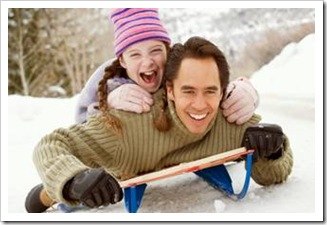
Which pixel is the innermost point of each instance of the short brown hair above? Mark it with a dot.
(197, 48)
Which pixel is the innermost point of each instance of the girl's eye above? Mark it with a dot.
(134, 55)
(157, 50)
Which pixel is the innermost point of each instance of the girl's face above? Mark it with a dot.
(196, 92)
(144, 63)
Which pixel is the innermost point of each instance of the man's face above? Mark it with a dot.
(196, 93)
(144, 63)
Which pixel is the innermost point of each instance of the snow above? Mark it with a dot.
(219, 206)
(287, 97)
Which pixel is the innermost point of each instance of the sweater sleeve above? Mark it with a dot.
(267, 172)
(61, 155)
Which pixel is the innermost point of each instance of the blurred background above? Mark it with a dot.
(53, 52)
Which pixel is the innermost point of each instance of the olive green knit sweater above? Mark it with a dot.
(141, 148)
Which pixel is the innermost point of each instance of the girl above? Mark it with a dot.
(137, 71)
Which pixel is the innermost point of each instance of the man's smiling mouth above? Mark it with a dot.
(198, 116)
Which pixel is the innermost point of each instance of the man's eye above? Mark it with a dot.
(188, 92)
(211, 92)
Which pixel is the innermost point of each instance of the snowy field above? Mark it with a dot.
(287, 97)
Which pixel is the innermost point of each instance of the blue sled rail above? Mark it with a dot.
(217, 176)
(211, 169)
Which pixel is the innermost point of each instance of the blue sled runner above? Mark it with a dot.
(217, 176)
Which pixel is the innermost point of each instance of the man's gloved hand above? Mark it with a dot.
(93, 188)
(240, 102)
(130, 97)
(266, 139)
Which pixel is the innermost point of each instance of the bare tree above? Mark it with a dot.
(56, 49)
(77, 44)
(23, 43)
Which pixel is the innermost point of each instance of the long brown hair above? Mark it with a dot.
(197, 48)
(115, 69)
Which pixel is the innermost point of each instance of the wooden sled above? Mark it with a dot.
(211, 169)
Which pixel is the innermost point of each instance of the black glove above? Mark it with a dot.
(266, 139)
(93, 188)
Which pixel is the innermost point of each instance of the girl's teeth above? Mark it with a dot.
(148, 77)
(148, 73)
(198, 117)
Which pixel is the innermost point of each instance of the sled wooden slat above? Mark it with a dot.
(192, 166)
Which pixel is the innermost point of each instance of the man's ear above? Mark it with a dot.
(122, 62)
(170, 91)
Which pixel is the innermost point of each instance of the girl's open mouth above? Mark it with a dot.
(149, 77)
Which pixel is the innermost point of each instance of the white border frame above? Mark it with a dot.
(317, 216)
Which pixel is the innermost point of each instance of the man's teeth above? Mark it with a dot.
(198, 117)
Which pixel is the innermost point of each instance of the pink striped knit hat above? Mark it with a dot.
(132, 25)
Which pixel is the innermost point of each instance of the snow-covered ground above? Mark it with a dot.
(287, 97)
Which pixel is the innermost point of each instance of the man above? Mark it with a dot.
(81, 164)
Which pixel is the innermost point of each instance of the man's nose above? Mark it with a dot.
(199, 102)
